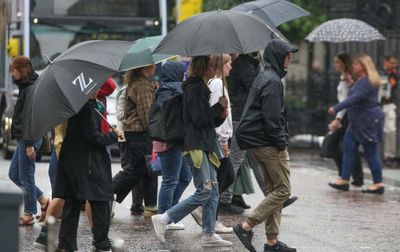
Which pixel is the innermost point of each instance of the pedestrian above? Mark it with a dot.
(175, 170)
(343, 65)
(199, 119)
(263, 130)
(84, 173)
(22, 167)
(389, 102)
(140, 96)
(365, 124)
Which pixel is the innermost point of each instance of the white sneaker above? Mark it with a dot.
(175, 226)
(116, 244)
(197, 215)
(221, 228)
(159, 227)
(214, 241)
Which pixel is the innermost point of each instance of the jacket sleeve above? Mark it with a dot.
(91, 128)
(271, 104)
(145, 98)
(200, 111)
(120, 104)
(362, 90)
(248, 75)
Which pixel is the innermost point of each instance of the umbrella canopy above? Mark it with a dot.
(344, 30)
(140, 54)
(215, 32)
(276, 12)
(68, 82)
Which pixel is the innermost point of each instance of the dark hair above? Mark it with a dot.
(390, 56)
(199, 65)
(346, 60)
(23, 65)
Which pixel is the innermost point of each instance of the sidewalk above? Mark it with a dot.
(391, 176)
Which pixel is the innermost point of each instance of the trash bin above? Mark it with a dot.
(10, 202)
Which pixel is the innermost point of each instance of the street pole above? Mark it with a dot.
(163, 16)
(26, 17)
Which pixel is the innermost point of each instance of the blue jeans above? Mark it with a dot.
(206, 195)
(350, 152)
(22, 173)
(53, 169)
(176, 176)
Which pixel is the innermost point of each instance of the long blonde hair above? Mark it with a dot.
(216, 62)
(369, 67)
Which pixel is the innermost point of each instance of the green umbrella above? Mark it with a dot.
(140, 54)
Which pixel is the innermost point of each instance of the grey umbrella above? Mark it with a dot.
(276, 12)
(344, 30)
(68, 82)
(216, 32)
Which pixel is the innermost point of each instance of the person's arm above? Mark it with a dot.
(91, 128)
(361, 91)
(216, 86)
(120, 104)
(144, 98)
(271, 105)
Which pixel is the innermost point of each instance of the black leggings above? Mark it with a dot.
(225, 176)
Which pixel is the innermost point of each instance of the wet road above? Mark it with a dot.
(321, 220)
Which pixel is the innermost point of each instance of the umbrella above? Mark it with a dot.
(68, 82)
(276, 12)
(140, 54)
(215, 32)
(344, 30)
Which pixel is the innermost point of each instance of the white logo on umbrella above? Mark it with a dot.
(86, 87)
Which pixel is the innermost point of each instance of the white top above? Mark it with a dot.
(342, 93)
(225, 131)
(120, 106)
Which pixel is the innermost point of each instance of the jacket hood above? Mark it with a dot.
(31, 79)
(172, 72)
(275, 53)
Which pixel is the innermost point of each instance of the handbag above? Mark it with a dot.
(329, 145)
(153, 164)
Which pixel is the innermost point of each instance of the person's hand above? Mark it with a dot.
(226, 150)
(223, 101)
(335, 124)
(283, 153)
(30, 152)
(331, 111)
(119, 133)
(224, 114)
(155, 85)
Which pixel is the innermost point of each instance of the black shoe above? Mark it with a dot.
(238, 200)
(379, 190)
(289, 201)
(41, 241)
(244, 236)
(344, 187)
(229, 209)
(357, 184)
(137, 210)
(279, 246)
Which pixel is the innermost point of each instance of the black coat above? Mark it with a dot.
(23, 88)
(199, 118)
(263, 121)
(241, 78)
(84, 166)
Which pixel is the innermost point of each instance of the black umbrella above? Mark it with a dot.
(275, 11)
(68, 82)
(215, 32)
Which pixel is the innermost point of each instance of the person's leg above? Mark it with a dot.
(358, 174)
(258, 172)
(13, 173)
(185, 176)
(101, 224)
(137, 199)
(150, 189)
(210, 207)
(69, 225)
(350, 152)
(171, 164)
(53, 169)
(372, 156)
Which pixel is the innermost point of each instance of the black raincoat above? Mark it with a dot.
(263, 122)
(84, 166)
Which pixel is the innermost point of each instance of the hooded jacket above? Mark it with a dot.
(263, 121)
(171, 80)
(23, 87)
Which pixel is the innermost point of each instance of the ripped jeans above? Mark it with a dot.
(206, 195)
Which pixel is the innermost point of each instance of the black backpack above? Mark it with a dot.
(166, 120)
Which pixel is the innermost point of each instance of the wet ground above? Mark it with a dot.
(321, 220)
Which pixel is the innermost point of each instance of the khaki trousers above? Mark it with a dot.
(276, 172)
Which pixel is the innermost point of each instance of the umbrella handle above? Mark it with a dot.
(120, 139)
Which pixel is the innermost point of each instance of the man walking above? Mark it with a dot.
(263, 130)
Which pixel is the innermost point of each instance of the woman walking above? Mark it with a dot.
(365, 124)
(22, 167)
(199, 119)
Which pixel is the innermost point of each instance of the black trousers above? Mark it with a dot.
(225, 174)
(138, 146)
(147, 188)
(70, 219)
